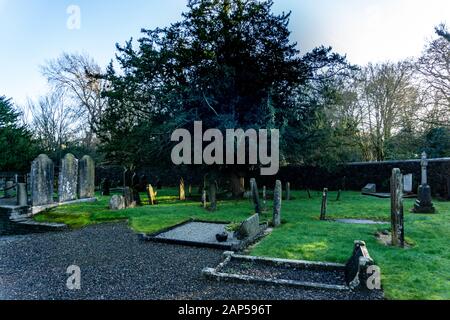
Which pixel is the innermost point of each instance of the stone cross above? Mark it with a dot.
(398, 237)
(255, 195)
(277, 199)
(424, 165)
(68, 179)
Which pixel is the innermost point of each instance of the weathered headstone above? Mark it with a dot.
(117, 202)
(264, 195)
(42, 175)
(338, 197)
(424, 203)
(249, 228)
(204, 199)
(151, 195)
(370, 188)
(128, 196)
(277, 199)
(255, 195)
(288, 191)
(68, 179)
(408, 183)
(22, 196)
(323, 211)
(86, 178)
(212, 196)
(398, 236)
(181, 191)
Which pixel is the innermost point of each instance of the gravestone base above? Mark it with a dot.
(424, 202)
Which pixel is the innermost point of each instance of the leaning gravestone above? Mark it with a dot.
(277, 198)
(86, 178)
(42, 175)
(68, 179)
(398, 236)
(249, 228)
(255, 195)
(151, 195)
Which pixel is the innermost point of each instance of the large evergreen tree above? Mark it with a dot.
(228, 63)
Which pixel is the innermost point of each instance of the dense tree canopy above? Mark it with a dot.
(228, 63)
(16, 143)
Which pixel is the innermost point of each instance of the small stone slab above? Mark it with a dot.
(360, 221)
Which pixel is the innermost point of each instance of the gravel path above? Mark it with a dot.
(115, 264)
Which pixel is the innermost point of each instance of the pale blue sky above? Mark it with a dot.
(33, 31)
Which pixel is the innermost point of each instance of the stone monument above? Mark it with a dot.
(424, 202)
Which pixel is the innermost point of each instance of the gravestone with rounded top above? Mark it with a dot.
(42, 175)
(68, 178)
(86, 178)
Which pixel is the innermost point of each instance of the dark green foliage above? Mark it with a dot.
(228, 63)
(16, 143)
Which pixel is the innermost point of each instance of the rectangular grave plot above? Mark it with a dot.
(198, 234)
(319, 275)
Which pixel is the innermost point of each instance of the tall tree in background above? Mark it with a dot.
(18, 148)
(434, 66)
(76, 76)
(228, 63)
(388, 101)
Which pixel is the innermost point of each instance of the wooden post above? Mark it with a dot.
(288, 191)
(323, 212)
(277, 199)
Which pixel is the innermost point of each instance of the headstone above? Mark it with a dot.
(408, 183)
(323, 211)
(129, 197)
(117, 202)
(9, 189)
(204, 199)
(309, 194)
(249, 228)
(86, 178)
(398, 237)
(264, 198)
(212, 196)
(68, 179)
(424, 203)
(370, 188)
(181, 191)
(338, 197)
(288, 191)
(22, 196)
(356, 268)
(277, 199)
(255, 195)
(42, 175)
(151, 195)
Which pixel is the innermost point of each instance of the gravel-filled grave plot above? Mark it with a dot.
(196, 233)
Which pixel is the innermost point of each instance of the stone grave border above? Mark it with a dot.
(353, 270)
(153, 237)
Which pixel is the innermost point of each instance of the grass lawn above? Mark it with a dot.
(419, 272)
